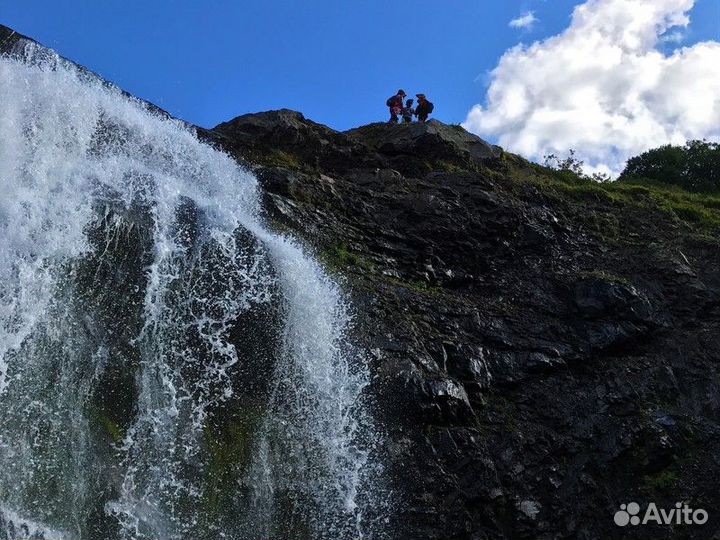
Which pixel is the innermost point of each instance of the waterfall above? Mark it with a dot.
(169, 366)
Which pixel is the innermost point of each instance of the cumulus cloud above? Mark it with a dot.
(603, 87)
(526, 20)
(673, 37)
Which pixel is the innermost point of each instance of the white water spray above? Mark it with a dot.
(142, 391)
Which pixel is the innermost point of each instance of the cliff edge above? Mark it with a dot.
(544, 349)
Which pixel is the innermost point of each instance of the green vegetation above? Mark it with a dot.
(448, 166)
(278, 158)
(694, 167)
(563, 179)
(108, 426)
(664, 480)
(340, 256)
(229, 449)
(703, 210)
(571, 168)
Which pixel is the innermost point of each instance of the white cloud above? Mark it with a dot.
(526, 20)
(673, 37)
(603, 88)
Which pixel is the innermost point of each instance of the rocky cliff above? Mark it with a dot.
(544, 349)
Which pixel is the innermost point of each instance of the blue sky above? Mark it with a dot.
(336, 61)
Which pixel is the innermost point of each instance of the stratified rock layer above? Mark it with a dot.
(543, 352)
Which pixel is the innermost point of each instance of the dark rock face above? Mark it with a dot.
(109, 284)
(432, 140)
(535, 370)
(287, 138)
(8, 38)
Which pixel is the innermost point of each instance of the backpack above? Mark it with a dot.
(391, 101)
(429, 107)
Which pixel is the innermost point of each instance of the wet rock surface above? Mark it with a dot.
(539, 359)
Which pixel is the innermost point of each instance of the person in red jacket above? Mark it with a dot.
(395, 103)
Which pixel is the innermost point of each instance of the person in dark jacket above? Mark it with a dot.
(408, 111)
(395, 103)
(424, 108)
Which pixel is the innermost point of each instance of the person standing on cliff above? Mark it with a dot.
(395, 103)
(408, 111)
(424, 108)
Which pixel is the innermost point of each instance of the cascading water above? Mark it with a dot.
(169, 367)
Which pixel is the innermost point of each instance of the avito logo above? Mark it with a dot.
(682, 514)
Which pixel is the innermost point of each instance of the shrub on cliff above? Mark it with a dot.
(570, 169)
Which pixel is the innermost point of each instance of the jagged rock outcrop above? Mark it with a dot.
(543, 352)
(8, 38)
